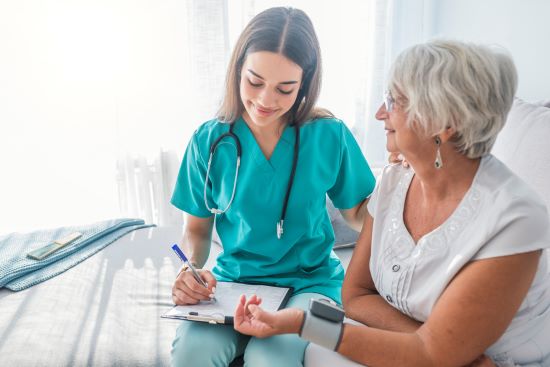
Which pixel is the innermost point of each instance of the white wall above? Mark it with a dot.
(105, 71)
(521, 26)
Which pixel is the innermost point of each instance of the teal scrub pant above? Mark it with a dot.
(199, 344)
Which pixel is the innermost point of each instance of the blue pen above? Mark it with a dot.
(183, 258)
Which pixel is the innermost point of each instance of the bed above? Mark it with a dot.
(106, 310)
(103, 312)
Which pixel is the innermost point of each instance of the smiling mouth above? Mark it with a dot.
(263, 111)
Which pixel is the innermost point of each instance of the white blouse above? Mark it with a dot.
(499, 215)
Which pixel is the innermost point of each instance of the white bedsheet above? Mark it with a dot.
(103, 312)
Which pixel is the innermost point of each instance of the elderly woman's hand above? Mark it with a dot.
(251, 319)
(396, 157)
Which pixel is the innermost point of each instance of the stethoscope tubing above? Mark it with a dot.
(232, 135)
(280, 224)
(213, 148)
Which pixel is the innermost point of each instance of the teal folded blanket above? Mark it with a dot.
(17, 271)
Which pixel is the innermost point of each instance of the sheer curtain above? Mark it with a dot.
(355, 39)
(99, 98)
(146, 177)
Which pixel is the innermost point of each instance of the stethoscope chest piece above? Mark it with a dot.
(280, 230)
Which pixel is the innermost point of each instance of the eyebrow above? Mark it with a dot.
(259, 76)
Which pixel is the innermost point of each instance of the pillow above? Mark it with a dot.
(543, 102)
(524, 146)
(344, 236)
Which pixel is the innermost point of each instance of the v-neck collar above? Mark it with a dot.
(283, 150)
(472, 191)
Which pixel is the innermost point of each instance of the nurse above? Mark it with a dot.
(260, 171)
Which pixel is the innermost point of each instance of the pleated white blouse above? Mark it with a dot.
(499, 215)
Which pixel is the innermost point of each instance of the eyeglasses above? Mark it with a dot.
(388, 101)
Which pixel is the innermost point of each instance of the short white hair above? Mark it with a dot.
(450, 84)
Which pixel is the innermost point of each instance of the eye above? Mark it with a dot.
(255, 85)
(284, 91)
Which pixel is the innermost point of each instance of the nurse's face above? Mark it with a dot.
(269, 86)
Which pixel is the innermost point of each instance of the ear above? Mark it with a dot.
(447, 134)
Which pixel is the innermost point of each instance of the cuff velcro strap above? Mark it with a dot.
(320, 331)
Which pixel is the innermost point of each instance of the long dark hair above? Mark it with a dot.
(289, 32)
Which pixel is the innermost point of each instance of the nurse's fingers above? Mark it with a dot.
(179, 297)
(190, 286)
(395, 157)
(209, 279)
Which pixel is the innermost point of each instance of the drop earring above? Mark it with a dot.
(438, 161)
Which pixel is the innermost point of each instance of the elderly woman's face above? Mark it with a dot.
(398, 134)
(400, 137)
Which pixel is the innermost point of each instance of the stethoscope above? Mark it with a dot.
(232, 135)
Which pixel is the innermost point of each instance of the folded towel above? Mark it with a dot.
(18, 272)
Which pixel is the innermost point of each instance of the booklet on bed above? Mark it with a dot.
(227, 295)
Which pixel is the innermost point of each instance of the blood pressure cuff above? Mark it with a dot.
(323, 324)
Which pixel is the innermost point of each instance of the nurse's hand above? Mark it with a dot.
(188, 291)
(396, 157)
(251, 319)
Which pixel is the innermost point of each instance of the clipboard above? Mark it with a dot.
(227, 295)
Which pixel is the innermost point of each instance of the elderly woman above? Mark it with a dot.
(448, 268)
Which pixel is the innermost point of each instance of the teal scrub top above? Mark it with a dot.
(330, 162)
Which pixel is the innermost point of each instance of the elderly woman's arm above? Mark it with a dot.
(472, 313)
(361, 300)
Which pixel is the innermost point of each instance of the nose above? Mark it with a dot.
(381, 114)
(267, 98)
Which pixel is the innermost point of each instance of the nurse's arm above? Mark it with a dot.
(355, 217)
(197, 237)
(359, 295)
